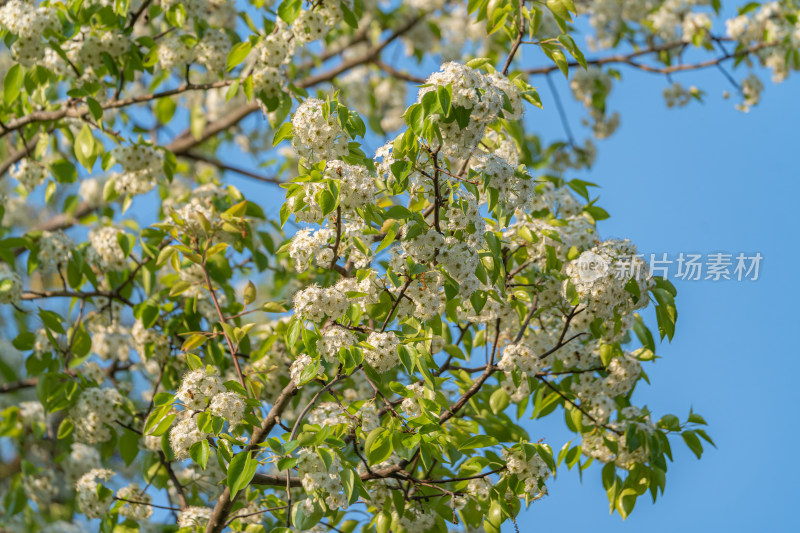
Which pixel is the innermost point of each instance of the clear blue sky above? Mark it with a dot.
(702, 179)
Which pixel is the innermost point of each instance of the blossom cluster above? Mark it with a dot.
(29, 24)
(318, 136)
(141, 167)
(96, 411)
(91, 501)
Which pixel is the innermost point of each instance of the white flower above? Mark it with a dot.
(309, 26)
(91, 191)
(383, 354)
(110, 342)
(212, 50)
(276, 48)
(55, 248)
(106, 252)
(135, 511)
(95, 410)
(751, 89)
(228, 405)
(80, 460)
(334, 339)
(314, 303)
(194, 517)
(198, 387)
(88, 500)
(315, 476)
(41, 487)
(174, 52)
(184, 434)
(519, 356)
(532, 472)
(315, 137)
(141, 165)
(29, 174)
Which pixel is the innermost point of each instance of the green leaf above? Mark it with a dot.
(666, 312)
(560, 8)
(193, 341)
(199, 453)
(378, 446)
(12, 84)
(284, 132)
(64, 171)
(193, 362)
(81, 342)
(241, 470)
(693, 442)
(702, 433)
(557, 56)
(289, 10)
(626, 502)
(162, 426)
(238, 54)
(164, 109)
(129, 445)
(176, 15)
(348, 16)
(669, 422)
(697, 419)
(285, 463)
(24, 341)
(51, 320)
(94, 108)
(388, 239)
(249, 293)
(305, 519)
(598, 213)
(65, 428)
(326, 201)
(84, 147)
(273, 307)
(609, 475)
(643, 333)
(606, 354)
(163, 398)
(499, 401)
(478, 441)
(573, 49)
(443, 94)
(478, 62)
(309, 372)
(350, 483)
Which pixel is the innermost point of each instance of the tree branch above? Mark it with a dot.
(628, 59)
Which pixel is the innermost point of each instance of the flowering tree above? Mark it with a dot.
(172, 355)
